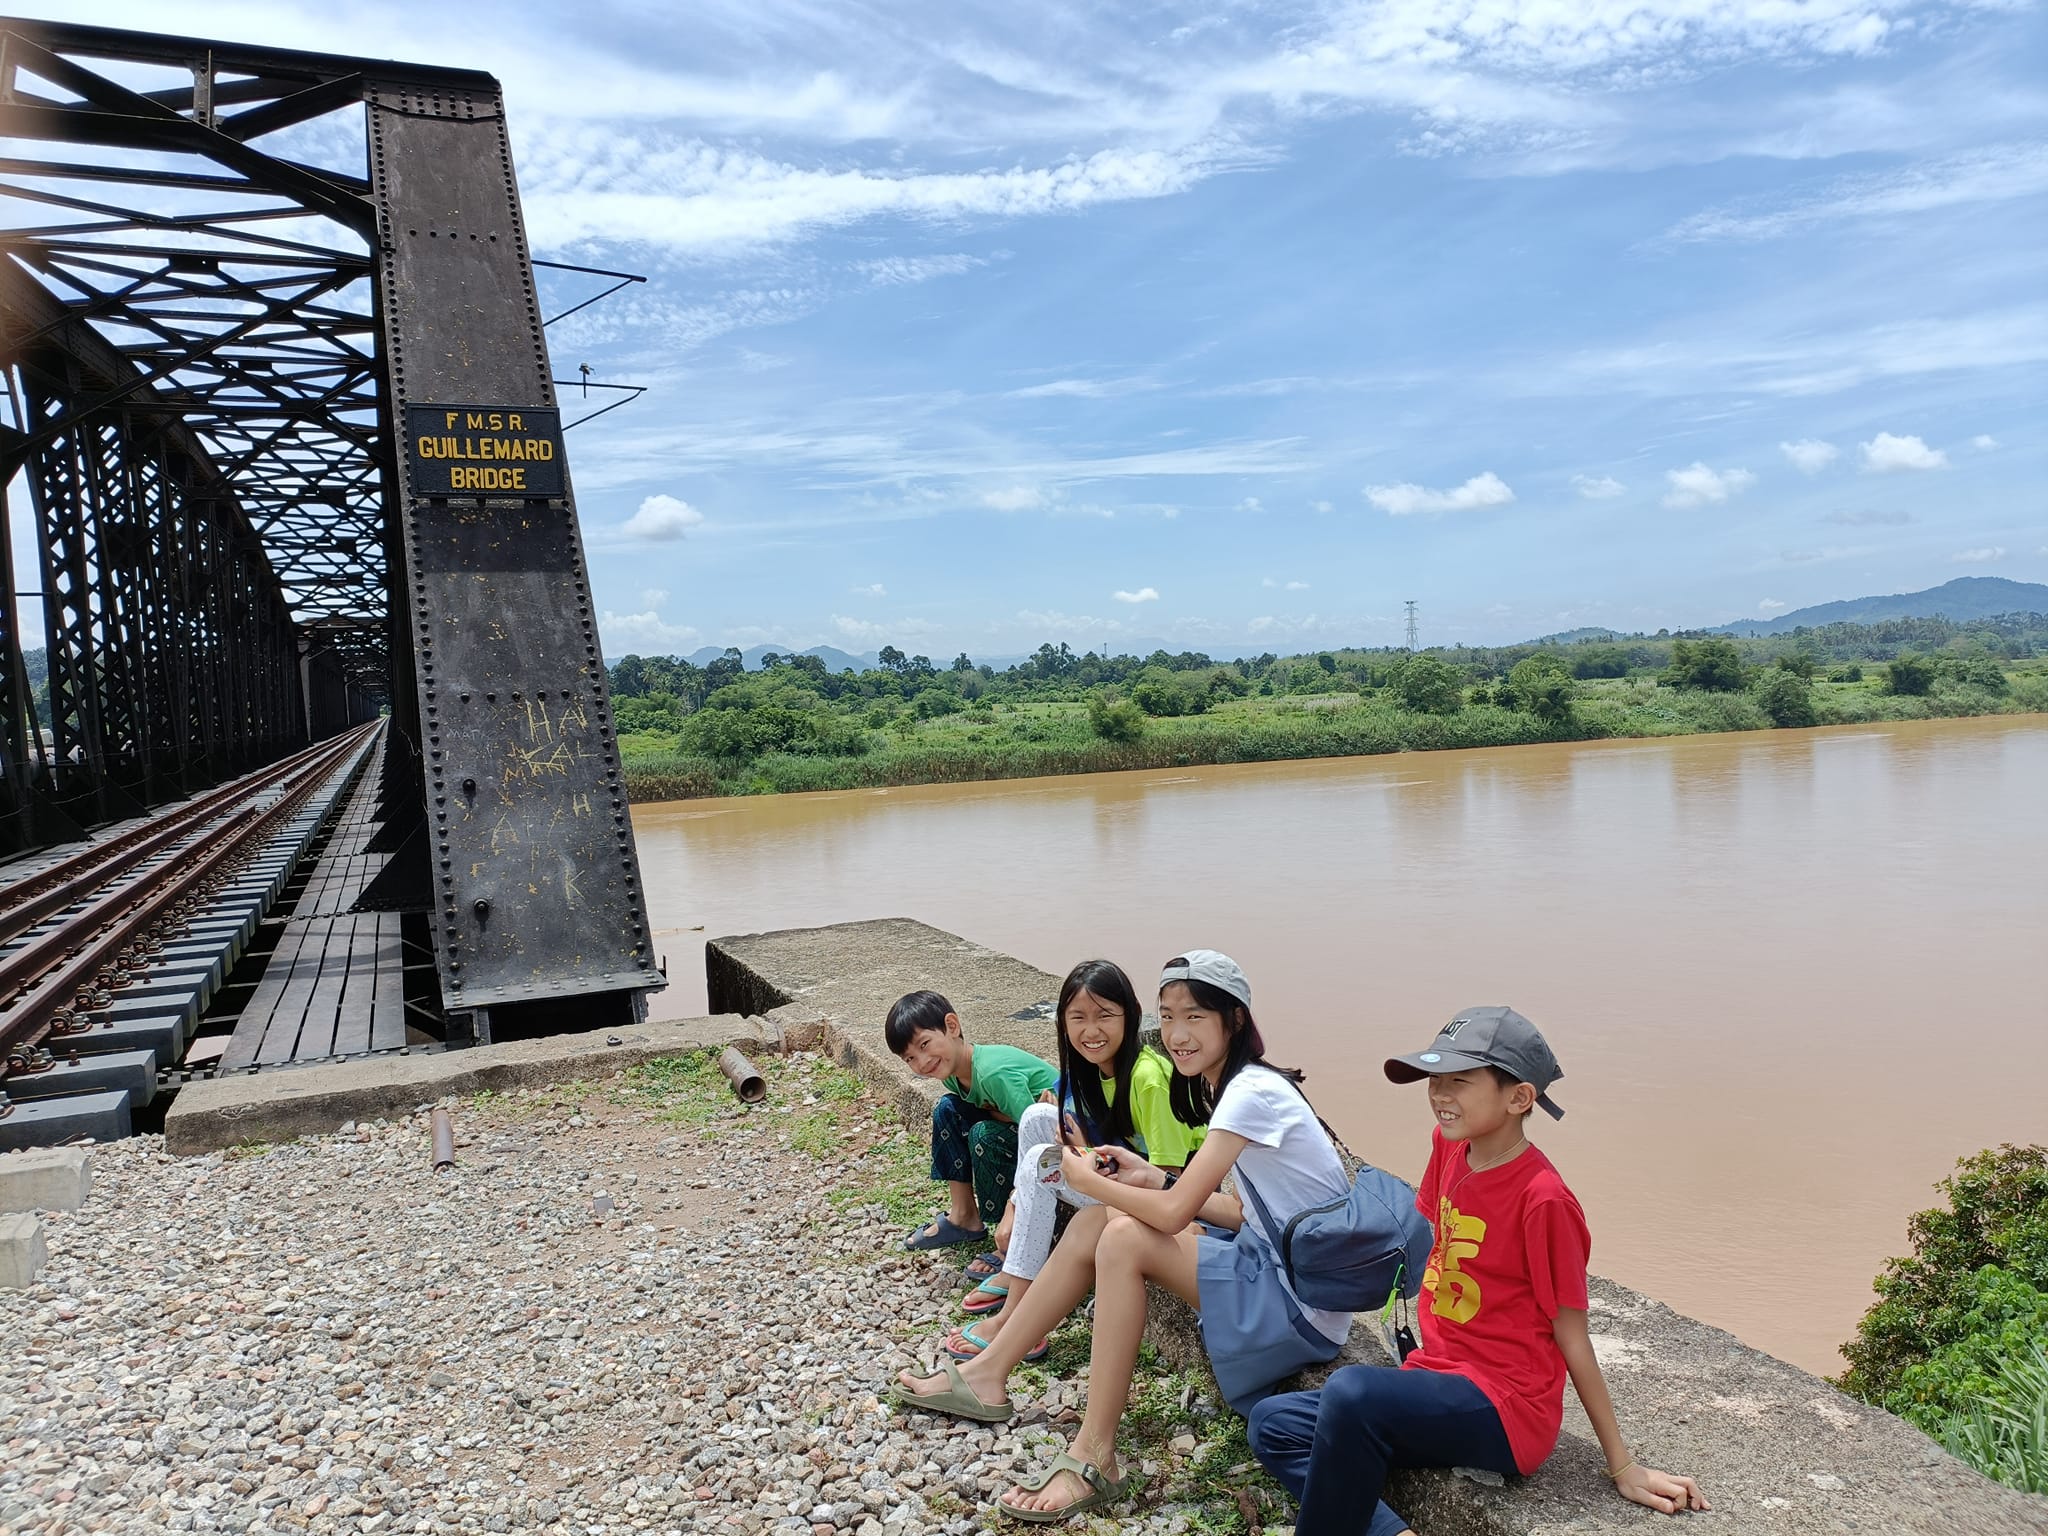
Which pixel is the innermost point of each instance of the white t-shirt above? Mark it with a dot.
(1289, 1159)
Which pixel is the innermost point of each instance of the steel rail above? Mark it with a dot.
(45, 984)
(27, 901)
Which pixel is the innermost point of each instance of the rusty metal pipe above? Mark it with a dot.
(444, 1141)
(746, 1079)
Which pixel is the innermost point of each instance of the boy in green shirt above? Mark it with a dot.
(974, 1126)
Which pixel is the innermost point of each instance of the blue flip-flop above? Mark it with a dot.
(987, 1296)
(943, 1233)
(1038, 1351)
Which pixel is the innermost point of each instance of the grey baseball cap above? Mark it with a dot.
(1486, 1037)
(1207, 965)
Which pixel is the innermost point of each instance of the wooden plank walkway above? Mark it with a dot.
(335, 984)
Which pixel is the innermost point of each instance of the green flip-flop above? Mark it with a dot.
(958, 1399)
(1101, 1491)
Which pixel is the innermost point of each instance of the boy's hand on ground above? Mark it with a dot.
(1660, 1490)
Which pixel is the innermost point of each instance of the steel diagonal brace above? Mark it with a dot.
(181, 132)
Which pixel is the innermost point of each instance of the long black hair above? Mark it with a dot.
(1193, 1101)
(1100, 1122)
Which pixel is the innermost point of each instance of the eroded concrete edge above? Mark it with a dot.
(284, 1102)
(1776, 1448)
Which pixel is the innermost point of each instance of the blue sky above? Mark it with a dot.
(969, 327)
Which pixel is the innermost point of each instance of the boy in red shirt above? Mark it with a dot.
(1503, 1310)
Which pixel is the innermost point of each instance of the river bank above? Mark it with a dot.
(1055, 738)
(632, 1307)
(1706, 926)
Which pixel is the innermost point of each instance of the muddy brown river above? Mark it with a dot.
(1791, 976)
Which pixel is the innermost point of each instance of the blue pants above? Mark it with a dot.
(1333, 1449)
(971, 1146)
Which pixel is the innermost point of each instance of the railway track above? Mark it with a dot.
(140, 914)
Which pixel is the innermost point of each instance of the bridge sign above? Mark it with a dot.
(484, 450)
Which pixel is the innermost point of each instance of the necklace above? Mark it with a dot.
(1494, 1162)
(1486, 1167)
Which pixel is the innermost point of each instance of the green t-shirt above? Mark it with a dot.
(1163, 1140)
(1006, 1080)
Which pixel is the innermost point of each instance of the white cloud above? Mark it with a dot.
(1696, 485)
(1086, 389)
(1016, 498)
(1998, 173)
(1142, 595)
(647, 633)
(1888, 455)
(896, 271)
(1047, 622)
(1810, 455)
(1297, 586)
(1289, 586)
(1597, 487)
(1984, 556)
(873, 589)
(881, 630)
(1983, 442)
(1320, 506)
(1482, 490)
(661, 519)
(1250, 504)
(654, 597)
(649, 187)
(1770, 605)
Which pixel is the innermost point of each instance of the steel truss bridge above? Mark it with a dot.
(280, 426)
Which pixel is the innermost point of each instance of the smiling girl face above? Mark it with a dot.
(1197, 1038)
(1095, 1029)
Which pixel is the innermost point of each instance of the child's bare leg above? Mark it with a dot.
(1060, 1286)
(989, 1324)
(1128, 1254)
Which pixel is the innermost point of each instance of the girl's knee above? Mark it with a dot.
(1039, 1124)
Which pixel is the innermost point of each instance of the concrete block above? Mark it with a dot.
(22, 1252)
(46, 1179)
(162, 1033)
(131, 1071)
(278, 1103)
(46, 1122)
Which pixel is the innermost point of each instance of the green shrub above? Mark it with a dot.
(2006, 1437)
(1848, 673)
(1714, 665)
(1909, 675)
(1786, 696)
(1912, 1353)
(1115, 720)
(1541, 686)
(1427, 686)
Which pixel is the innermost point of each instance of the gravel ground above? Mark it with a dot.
(632, 1306)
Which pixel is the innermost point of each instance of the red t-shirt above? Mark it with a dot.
(1510, 1252)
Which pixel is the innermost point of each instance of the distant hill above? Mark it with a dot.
(1965, 598)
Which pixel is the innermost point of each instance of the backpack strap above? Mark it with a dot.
(1273, 1228)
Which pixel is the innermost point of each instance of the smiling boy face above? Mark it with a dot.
(932, 1052)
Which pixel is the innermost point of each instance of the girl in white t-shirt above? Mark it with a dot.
(1145, 1229)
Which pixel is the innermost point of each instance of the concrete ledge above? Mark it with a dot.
(1777, 1450)
(283, 1102)
(845, 977)
(45, 1179)
(22, 1251)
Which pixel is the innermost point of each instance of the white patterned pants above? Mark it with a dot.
(1037, 1203)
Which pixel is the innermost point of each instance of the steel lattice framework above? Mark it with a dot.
(253, 304)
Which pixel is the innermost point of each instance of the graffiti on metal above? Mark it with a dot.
(484, 450)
